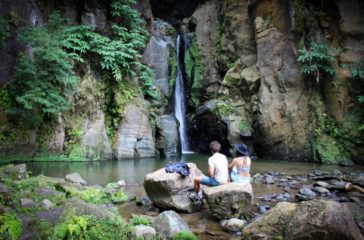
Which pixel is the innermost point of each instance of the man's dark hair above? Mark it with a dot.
(215, 146)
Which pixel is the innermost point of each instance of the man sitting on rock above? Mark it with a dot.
(218, 172)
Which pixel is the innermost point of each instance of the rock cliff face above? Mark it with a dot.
(249, 52)
(244, 82)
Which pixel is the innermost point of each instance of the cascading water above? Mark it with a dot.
(179, 100)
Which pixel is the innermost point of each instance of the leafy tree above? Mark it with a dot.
(317, 60)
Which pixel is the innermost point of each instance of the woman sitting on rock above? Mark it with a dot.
(240, 166)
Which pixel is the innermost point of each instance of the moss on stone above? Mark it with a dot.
(172, 68)
(193, 70)
(299, 16)
(328, 151)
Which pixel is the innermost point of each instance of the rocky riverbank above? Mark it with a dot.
(284, 206)
(317, 200)
(67, 208)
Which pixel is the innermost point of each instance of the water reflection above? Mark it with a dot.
(133, 171)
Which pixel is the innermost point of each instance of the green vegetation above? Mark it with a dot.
(90, 227)
(193, 70)
(224, 109)
(172, 68)
(318, 60)
(73, 223)
(184, 236)
(140, 220)
(11, 227)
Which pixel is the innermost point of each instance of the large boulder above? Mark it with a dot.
(316, 219)
(230, 200)
(169, 223)
(17, 172)
(134, 137)
(168, 140)
(169, 190)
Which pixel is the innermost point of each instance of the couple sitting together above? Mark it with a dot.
(219, 169)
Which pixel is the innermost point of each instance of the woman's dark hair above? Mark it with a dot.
(215, 146)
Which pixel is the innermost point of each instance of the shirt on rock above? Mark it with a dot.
(220, 162)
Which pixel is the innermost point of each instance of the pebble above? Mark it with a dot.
(286, 189)
(308, 192)
(233, 224)
(322, 184)
(46, 204)
(264, 208)
(321, 190)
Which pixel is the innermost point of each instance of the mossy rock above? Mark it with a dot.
(328, 151)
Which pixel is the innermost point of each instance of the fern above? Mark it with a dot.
(10, 227)
(317, 60)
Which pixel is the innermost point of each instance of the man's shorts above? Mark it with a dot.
(209, 181)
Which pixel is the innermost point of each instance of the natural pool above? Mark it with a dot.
(133, 171)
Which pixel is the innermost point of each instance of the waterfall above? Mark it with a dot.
(180, 100)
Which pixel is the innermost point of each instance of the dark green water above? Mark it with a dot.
(134, 171)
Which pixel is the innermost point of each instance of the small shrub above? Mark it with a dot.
(317, 60)
(140, 220)
(11, 227)
(184, 236)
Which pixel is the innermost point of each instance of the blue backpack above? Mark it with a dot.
(181, 168)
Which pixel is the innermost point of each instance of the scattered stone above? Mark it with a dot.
(46, 204)
(83, 208)
(307, 220)
(27, 203)
(287, 189)
(233, 224)
(121, 183)
(264, 208)
(144, 232)
(48, 192)
(145, 202)
(308, 192)
(304, 197)
(322, 184)
(321, 190)
(75, 178)
(3, 189)
(229, 200)
(346, 163)
(52, 215)
(281, 198)
(169, 223)
(267, 198)
(131, 197)
(269, 180)
(287, 195)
